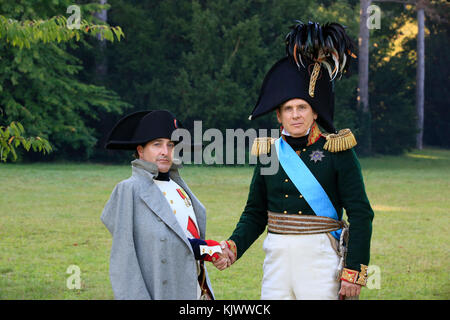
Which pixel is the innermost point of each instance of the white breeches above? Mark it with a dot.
(299, 267)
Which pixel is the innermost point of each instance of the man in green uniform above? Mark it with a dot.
(311, 253)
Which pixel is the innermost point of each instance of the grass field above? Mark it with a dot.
(50, 219)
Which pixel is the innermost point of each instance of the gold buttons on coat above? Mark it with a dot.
(286, 196)
(164, 193)
(304, 150)
(175, 211)
(300, 196)
(284, 211)
(287, 180)
(299, 212)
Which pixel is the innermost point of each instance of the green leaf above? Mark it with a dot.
(20, 126)
(108, 34)
(13, 152)
(26, 144)
(6, 134)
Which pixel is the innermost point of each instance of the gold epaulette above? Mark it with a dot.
(262, 145)
(343, 140)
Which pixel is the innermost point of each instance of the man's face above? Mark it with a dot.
(296, 116)
(158, 151)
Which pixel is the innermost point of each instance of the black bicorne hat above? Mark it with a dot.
(141, 127)
(316, 55)
(285, 81)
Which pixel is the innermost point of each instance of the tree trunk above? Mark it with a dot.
(101, 65)
(101, 72)
(363, 86)
(420, 75)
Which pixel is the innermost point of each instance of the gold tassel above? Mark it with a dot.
(262, 145)
(343, 140)
(313, 79)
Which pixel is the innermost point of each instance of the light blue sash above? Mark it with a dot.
(306, 183)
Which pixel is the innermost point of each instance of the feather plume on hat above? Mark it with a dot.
(326, 45)
(329, 46)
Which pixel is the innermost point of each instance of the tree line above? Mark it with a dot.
(205, 60)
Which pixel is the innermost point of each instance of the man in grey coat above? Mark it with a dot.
(156, 222)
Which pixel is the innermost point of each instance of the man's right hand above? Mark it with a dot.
(227, 258)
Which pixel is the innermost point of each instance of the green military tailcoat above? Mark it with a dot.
(339, 173)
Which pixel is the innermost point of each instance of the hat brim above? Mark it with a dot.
(285, 81)
(131, 145)
(124, 145)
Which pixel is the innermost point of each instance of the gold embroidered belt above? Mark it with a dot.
(301, 224)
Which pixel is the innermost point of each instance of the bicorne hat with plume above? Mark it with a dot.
(316, 55)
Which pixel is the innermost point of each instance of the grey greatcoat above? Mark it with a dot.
(151, 257)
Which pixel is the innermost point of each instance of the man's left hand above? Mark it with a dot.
(222, 262)
(349, 289)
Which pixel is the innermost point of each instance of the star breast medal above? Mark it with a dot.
(316, 155)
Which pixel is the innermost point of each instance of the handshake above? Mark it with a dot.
(222, 254)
